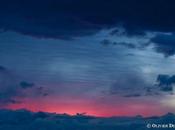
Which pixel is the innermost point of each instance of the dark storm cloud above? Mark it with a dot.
(165, 82)
(164, 44)
(2, 68)
(133, 95)
(129, 45)
(106, 42)
(128, 33)
(25, 84)
(68, 18)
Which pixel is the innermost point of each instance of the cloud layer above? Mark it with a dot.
(66, 19)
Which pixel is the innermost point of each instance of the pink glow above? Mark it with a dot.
(91, 108)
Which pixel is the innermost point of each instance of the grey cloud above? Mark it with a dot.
(107, 42)
(165, 82)
(25, 84)
(129, 85)
(133, 95)
(11, 88)
(164, 44)
(129, 45)
(2, 68)
(135, 86)
(128, 33)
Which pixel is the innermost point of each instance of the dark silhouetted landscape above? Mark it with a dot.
(26, 120)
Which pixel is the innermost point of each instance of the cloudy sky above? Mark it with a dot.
(100, 57)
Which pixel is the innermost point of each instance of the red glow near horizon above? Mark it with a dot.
(97, 109)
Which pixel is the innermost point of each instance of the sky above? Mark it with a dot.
(99, 57)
